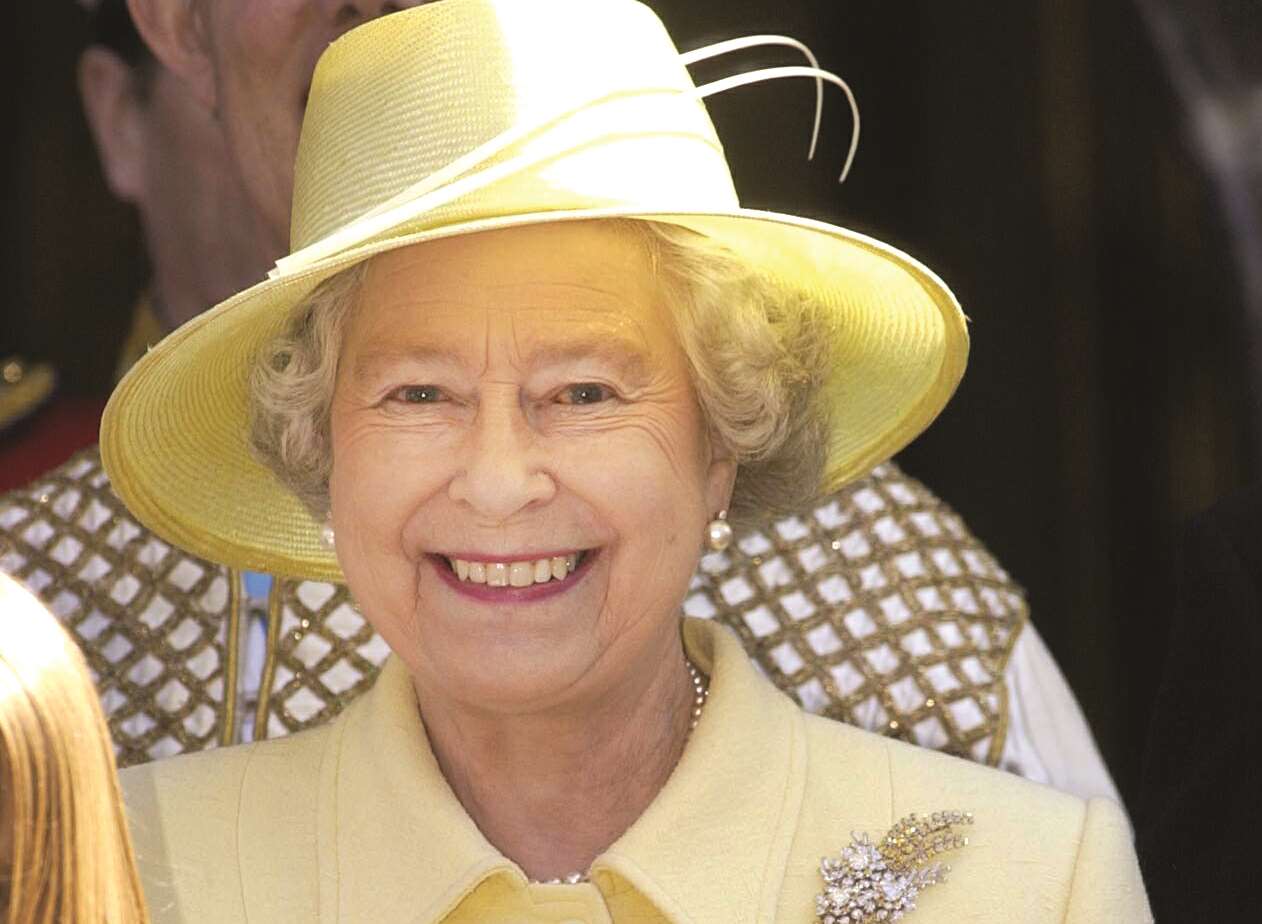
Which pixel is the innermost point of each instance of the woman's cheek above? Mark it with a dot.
(371, 509)
(648, 454)
(364, 503)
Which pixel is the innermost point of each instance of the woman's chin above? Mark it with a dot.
(511, 675)
(508, 644)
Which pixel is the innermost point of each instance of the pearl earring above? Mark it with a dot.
(718, 533)
(327, 538)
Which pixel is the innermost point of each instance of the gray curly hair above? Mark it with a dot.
(758, 357)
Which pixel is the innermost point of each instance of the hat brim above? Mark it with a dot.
(174, 434)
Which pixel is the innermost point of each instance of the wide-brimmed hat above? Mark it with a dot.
(471, 115)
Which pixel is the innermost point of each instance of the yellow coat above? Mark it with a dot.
(353, 822)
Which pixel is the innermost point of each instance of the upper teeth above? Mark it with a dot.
(514, 573)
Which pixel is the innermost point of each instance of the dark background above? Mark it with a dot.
(1031, 152)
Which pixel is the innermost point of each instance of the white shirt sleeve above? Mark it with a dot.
(1048, 739)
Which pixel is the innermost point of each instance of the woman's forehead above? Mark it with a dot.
(551, 289)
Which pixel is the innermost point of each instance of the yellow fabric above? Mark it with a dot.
(354, 822)
(471, 115)
(1106, 833)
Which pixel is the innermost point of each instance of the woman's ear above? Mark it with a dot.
(112, 102)
(176, 33)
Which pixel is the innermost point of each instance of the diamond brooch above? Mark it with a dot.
(880, 882)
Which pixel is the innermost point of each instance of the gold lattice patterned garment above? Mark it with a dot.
(877, 607)
(153, 622)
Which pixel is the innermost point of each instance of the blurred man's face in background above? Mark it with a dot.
(163, 152)
(250, 62)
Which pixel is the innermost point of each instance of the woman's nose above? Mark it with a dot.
(502, 472)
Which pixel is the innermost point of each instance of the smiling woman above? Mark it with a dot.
(527, 358)
(505, 398)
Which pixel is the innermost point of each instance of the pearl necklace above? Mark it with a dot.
(700, 693)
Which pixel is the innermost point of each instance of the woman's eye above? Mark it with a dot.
(585, 393)
(418, 394)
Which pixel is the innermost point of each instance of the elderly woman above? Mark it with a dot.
(526, 360)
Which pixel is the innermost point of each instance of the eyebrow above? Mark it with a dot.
(367, 364)
(625, 355)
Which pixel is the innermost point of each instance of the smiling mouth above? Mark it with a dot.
(516, 574)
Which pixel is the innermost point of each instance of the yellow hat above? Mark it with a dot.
(470, 115)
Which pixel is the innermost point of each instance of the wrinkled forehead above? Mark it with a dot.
(545, 293)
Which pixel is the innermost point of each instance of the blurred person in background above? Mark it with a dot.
(65, 853)
(162, 152)
(1198, 809)
(878, 607)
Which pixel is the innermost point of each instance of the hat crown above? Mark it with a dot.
(591, 94)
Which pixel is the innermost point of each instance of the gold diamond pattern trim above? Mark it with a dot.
(325, 655)
(877, 608)
(152, 621)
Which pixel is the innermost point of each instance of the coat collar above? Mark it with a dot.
(397, 845)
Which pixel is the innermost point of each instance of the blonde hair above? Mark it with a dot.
(71, 857)
(758, 355)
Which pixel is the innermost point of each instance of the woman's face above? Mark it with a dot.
(503, 400)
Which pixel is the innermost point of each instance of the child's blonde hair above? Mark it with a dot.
(65, 854)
